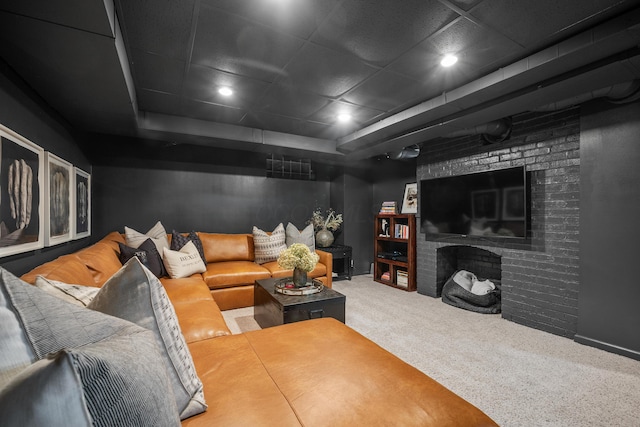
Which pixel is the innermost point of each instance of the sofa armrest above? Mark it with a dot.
(326, 258)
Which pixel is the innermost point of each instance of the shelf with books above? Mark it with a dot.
(395, 250)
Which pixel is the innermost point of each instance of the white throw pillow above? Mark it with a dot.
(157, 234)
(75, 294)
(185, 262)
(267, 247)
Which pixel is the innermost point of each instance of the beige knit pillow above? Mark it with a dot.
(267, 247)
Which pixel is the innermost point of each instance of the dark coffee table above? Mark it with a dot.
(272, 308)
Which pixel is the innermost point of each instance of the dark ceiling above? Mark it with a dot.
(151, 69)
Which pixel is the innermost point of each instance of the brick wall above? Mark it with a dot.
(540, 278)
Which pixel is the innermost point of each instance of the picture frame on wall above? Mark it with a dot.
(58, 200)
(82, 204)
(410, 199)
(21, 194)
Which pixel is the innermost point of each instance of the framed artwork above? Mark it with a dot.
(513, 204)
(484, 205)
(410, 199)
(58, 200)
(82, 204)
(21, 194)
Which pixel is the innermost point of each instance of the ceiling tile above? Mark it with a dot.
(379, 31)
(232, 44)
(159, 27)
(87, 15)
(202, 83)
(323, 71)
(157, 72)
(359, 114)
(286, 100)
(479, 51)
(539, 23)
(463, 4)
(299, 18)
(211, 112)
(386, 91)
(158, 102)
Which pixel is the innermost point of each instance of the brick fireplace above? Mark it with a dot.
(484, 263)
(539, 277)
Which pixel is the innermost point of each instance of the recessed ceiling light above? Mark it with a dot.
(448, 60)
(225, 91)
(344, 117)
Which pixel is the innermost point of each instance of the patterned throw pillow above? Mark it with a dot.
(268, 247)
(148, 255)
(157, 234)
(178, 241)
(306, 236)
(136, 295)
(75, 294)
(183, 263)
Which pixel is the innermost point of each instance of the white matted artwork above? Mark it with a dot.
(21, 194)
(58, 200)
(410, 199)
(81, 204)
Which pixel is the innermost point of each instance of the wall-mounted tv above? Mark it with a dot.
(490, 204)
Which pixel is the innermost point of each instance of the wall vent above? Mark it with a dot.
(281, 167)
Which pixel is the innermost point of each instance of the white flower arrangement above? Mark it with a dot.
(331, 222)
(298, 255)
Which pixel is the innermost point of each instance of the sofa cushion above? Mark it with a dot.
(75, 294)
(183, 263)
(178, 241)
(148, 255)
(101, 259)
(67, 268)
(135, 294)
(219, 247)
(157, 233)
(268, 247)
(198, 313)
(233, 273)
(306, 236)
(229, 364)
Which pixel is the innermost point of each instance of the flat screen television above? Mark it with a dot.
(490, 204)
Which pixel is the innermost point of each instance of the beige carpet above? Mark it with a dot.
(517, 375)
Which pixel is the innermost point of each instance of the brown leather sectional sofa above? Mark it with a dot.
(312, 373)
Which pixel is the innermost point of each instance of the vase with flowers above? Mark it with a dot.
(299, 258)
(325, 225)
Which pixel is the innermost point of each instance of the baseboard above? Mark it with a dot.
(607, 347)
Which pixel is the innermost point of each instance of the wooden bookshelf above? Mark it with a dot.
(395, 250)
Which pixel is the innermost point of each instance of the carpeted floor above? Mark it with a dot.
(517, 375)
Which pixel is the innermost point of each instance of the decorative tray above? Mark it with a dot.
(285, 286)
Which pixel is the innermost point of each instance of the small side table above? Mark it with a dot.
(342, 261)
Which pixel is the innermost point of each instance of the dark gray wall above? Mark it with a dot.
(24, 112)
(185, 197)
(608, 304)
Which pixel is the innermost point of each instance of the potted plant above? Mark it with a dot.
(299, 258)
(325, 227)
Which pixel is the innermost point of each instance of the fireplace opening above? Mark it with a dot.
(481, 262)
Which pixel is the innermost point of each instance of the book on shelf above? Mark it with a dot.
(401, 231)
(388, 208)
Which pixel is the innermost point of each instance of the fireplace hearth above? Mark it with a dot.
(481, 262)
